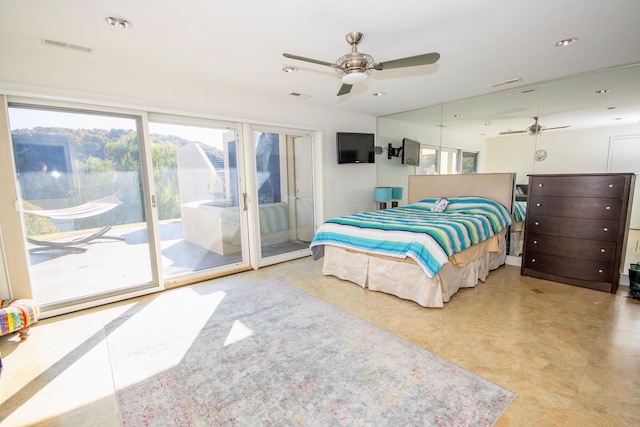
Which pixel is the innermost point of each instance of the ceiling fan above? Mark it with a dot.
(356, 67)
(534, 129)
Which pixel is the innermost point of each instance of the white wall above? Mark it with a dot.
(568, 151)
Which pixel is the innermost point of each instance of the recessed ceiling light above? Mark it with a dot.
(566, 42)
(289, 69)
(117, 21)
(379, 94)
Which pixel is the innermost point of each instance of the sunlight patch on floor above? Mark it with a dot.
(238, 332)
(181, 314)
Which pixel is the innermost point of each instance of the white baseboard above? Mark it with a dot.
(514, 260)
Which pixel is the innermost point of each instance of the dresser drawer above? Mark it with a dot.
(611, 186)
(595, 271)
(577, 207)
(596, 250)
(580, 228)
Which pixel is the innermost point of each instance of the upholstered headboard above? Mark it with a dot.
(495, 186)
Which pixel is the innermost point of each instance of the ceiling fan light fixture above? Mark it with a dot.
(354, 67)
(355, 77)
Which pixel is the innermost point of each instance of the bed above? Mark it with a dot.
(416, 275)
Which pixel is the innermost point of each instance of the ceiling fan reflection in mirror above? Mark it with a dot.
(355, 67)
(534, 129)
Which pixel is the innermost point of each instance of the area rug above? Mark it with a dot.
(270, 354)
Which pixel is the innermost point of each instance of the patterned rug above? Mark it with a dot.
(270, 354)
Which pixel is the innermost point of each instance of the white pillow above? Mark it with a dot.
(440, 205)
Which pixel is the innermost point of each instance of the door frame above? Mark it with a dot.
(11, 220)
(254, 219)
(245, 231)
(13, 244)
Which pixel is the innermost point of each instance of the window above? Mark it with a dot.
(441, 160)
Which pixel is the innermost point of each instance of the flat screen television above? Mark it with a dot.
(355, 147)
(410, 152)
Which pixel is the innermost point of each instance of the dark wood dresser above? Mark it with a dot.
(576, 228)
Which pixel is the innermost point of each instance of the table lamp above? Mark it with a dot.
(396, 194)
(382, 196)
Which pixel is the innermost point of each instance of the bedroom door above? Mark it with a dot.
(624, 152)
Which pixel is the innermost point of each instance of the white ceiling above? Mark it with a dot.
(237, 46)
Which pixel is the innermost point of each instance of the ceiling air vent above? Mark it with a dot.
(67, 45)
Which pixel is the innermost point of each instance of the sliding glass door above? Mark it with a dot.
(82, 196)
(115, 203)
(200, 207)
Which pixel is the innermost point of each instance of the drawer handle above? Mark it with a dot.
(538, 204)
(600, 270)
(540, 185)
(536, 223)
(535, 242)
(605, 229)
(602, 250)
(533, 260)
(608, 208)
(610, 185)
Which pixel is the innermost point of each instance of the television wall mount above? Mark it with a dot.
(393, 152)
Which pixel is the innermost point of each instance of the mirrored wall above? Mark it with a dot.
(573, 125)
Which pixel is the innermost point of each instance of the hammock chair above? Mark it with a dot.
(85, 210)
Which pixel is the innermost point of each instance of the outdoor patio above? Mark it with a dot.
(109, 265)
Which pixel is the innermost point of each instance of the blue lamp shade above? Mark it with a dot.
(396, 193)
(382, 195)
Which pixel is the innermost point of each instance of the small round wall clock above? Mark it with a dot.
(540, 155)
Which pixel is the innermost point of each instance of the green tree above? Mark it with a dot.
(36, 226)
(166, 179)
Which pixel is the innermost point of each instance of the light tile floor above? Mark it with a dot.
(571, 354)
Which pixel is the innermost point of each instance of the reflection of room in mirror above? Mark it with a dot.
(587, 111)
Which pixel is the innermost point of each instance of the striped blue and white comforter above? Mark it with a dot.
(519, 211)
(415, 231)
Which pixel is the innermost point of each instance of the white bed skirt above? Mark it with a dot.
(406, 280)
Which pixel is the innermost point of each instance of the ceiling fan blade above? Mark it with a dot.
(344, 89)
(412, 61)
(302, 58)
(512, 132)
(558, 127)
